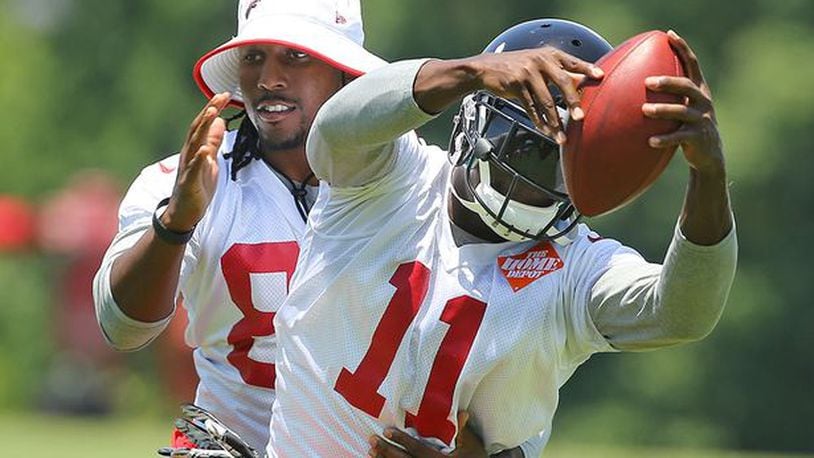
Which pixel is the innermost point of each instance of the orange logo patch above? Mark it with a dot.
(522, 269)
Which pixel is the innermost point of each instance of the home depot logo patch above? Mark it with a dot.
(522, 269)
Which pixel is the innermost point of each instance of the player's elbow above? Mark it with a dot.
(124, 348)
(688, 329)
(126, 342)
(692, 334)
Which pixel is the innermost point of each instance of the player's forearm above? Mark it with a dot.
(440, 83)
(144, 279)
(706, 217)
(640, 306)
(694, 285)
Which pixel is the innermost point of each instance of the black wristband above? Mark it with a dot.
(171, 237)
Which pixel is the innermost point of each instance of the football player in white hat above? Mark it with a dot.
(220, 223)
(426, 286)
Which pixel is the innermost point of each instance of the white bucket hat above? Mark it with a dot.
(330, 30)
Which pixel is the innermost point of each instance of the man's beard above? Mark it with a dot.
(271, 140)
(270, 143)
(274, 144)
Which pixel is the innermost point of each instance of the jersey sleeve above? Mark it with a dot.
(642, 306)
(355, 135)
(585, 262)
(135, 218)
(614, 299)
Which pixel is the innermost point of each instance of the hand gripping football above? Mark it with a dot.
(607, 161)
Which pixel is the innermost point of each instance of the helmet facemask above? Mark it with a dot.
(497, 144)
(499, 148)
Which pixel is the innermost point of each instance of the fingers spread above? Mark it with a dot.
(203, 153)
(546, 109)
(577, 71)
(675, 112)
(204, 130)
(672, 139)
(577, 65)
(531, 109)
(679, 86)
(688, 58)
(200, 127)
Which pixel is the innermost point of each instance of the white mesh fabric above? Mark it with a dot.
(358, 239)
(255, 211)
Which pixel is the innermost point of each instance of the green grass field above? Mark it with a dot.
(39, 436)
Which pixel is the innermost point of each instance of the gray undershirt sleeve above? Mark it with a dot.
(351, 142)
(642, 306)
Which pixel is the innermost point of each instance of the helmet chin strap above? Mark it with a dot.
(524, 217)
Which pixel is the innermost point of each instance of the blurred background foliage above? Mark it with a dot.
(96, 84)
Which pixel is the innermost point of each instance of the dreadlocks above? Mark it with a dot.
(246, 144)
(247, 148)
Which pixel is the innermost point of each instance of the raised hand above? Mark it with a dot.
(525, 75)
(519, 75)
(706, 215)
(197, 167)
(698, 135)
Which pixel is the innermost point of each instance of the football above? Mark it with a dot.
(607, 161)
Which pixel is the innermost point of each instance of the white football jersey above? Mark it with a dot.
(234, 276)
(389, 323)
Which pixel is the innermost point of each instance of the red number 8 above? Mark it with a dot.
(241, 260)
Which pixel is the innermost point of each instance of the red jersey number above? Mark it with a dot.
(238, 263)
(463, 314)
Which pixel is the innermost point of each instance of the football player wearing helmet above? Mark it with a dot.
(427, 286)
(494, 139)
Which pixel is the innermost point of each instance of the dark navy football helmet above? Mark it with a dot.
(494, 136)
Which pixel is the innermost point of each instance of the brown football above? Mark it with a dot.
(607, 161)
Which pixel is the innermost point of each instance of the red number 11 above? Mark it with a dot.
(463, 314)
